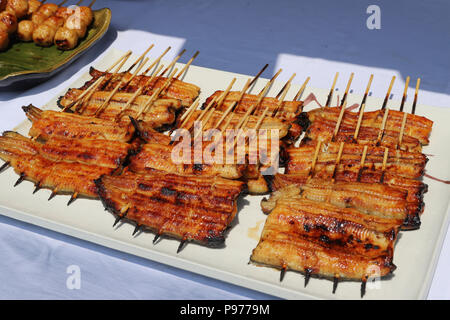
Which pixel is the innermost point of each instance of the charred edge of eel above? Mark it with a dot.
(210, 241)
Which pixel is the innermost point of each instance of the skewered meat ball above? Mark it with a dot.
(74, 23)
(44, 34)
(33, 6)
(8, 22)
(25, 30)
(66, 39)
(49, 9)
(4, 40)
(64, 12)
(38, 18)
(86, 15)
(18, 7)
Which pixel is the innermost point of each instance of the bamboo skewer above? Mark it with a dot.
(314, 160)
(402, 130)
(338, 160)
(117, 87)
(361, 165)
(302, 88)
(173, 62)
(361, 109)
(285, 85)
(388, 93)
(187, 64)
(157, 60)
(124, 56)
(383, 126)
(344, 97)
(190, 110)
(415, 96)
(330, 94)
(243, 122)
(280, 102)
(80, 107)
(241, 95)
(258, 74)
(338, 123)
(139, 59)
(92, 3)
(383, 168)
(156, 94)
(231, 107)
(137, 93)
(405, 91)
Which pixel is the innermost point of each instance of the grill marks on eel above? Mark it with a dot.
(185, 207)
(61, 164)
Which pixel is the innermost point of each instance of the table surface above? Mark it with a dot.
(313, 39)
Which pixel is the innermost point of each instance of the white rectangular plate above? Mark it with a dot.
(416, 252)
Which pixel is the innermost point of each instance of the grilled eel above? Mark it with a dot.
(416, 126)
(183, 91)
(64, 165)
(46, 124)
(322, 130)
(160, 115)
(414, 188)
(368, 198)
(325, 240)
(401, 163)
(155, 156)
(288, 111)
(268, 123)
(190, 208)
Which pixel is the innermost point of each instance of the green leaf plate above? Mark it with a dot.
(25, 60)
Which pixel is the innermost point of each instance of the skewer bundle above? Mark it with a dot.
(366, 162)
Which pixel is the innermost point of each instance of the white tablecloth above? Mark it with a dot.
(316, 38)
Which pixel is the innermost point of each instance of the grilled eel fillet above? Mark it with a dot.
(322, 130)
(414, 188)
(402, 163)
(416, 126)
(268, 123)
(155, 156)
(288, 111)
(46, 124)
(161, 114)
(324, 240)
(64, 165)
(186, 92)
(368, 198)
(185, 207)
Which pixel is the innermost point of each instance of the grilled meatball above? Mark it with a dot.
(8, 22)
(54, 22)
(25, 30)
(18, 7)
(64, 12)
(86, 15)
(66, 39)
(43, 35)
(75, 23)
(4, 40)
(33, 6)
(49, 9)
(38, 18)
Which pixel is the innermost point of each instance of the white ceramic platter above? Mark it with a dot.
(416, 252)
